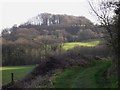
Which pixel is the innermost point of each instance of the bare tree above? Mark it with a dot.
(117, 11)
(105, 12)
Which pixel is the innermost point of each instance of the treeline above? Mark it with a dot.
(23, 53)
(47, 19)
(69, 34)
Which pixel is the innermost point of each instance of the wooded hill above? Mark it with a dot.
(68, 28)
(30, 42)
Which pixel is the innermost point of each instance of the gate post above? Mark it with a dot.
(12, 78)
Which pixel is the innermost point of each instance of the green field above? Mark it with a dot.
(71, 45)
(19, 72)
(92, 77)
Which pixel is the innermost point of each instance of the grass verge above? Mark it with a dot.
(92, 77)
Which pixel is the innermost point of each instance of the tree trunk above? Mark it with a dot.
(118, 50)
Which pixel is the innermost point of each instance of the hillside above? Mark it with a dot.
(44, 34)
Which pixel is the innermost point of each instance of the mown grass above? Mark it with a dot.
(71, 45)
(92, 77)
(19, 72)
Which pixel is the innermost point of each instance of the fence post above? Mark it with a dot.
(12, 78)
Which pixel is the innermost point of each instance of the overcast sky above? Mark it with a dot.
(19, 11)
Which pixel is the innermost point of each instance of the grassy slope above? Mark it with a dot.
(92, 77)
(19, 72)
(70, 45)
